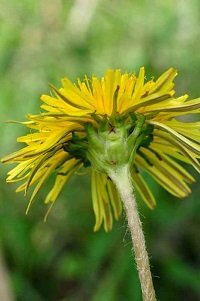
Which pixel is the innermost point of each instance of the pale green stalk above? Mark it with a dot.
(122, 179)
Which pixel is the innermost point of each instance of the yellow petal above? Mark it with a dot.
(96, 201)
(63, 176)
(139, 85)
(114, 199)
(143, 189)
(191, 146)
(165, 81)
(164, 177)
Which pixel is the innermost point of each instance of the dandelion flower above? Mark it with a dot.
(58, 143)
(116, 127)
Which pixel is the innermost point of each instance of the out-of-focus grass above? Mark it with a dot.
(63, 260)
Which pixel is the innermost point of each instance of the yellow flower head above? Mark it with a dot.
(102, 123)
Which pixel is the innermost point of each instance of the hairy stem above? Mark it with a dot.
(122, 179)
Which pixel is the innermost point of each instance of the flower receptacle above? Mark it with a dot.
(112, 145)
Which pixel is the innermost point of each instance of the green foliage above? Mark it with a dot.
(63, 260)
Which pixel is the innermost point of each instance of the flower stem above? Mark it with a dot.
(122, 179)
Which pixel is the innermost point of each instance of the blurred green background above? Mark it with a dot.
(63, 260)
